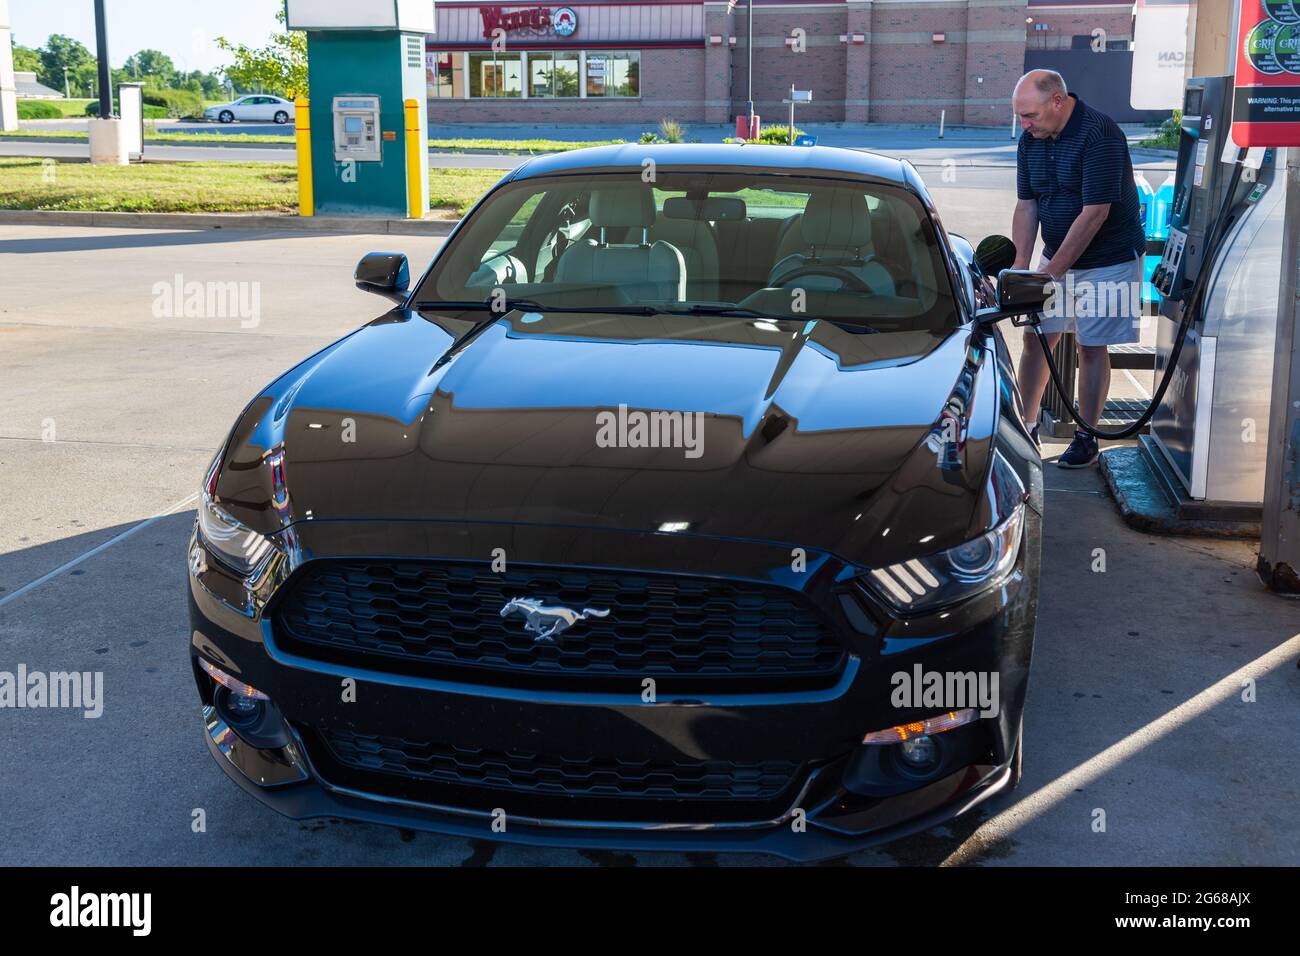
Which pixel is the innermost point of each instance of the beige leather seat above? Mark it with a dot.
(835, 230)
(644, 270)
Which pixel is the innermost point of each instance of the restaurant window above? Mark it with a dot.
(445, 74)
(495, 74)
(614, 73)
(552, 74)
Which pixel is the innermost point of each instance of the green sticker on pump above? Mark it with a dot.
(1259, 47)
(1286, 48)
(1283, 11)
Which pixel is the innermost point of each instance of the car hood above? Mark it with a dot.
(784, 431)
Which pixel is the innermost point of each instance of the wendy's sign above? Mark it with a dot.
(539, 21)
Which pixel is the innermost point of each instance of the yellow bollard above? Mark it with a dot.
(302, 133)
(414, 192)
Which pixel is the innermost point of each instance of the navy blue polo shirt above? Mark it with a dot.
(1086, 164)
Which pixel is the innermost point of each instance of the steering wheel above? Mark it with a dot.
(848, 279)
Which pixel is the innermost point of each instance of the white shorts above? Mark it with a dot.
(1101, 306)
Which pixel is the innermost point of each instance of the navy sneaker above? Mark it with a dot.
(1082, 452)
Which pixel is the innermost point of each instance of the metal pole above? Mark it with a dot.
(791, 114)
(942, 114)
(749, 51)
(101, 50)
(1279, 540)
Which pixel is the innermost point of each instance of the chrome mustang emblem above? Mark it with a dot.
(547, 622)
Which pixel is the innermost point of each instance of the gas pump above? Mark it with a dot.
(1219, 279)
(1208, 434)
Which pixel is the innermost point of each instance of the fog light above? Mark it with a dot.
(919, 753)
(238, 689)
(243, 709)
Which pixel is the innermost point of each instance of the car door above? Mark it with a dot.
(243, 108)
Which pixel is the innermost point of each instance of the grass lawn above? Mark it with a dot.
(72, 107)
(33, 183)
(450, 145)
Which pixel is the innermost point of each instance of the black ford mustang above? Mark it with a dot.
(684, 503)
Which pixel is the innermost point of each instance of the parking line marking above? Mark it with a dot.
(32, 585)
(1136, 384)
(1038, 802)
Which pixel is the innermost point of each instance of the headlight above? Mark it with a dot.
(237, 546)
(952, 575)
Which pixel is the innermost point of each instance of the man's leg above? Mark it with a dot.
(1033, 374)
(1093, 381)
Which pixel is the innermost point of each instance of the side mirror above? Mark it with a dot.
(384, 273)
(1020, 292)
(994, 254)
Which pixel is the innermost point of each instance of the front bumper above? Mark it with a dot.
(832, 807)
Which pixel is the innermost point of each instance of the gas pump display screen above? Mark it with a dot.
(1192, 104)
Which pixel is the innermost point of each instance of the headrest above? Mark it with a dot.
(628, 204)
(836, 218)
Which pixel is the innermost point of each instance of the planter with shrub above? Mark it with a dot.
(38, 109)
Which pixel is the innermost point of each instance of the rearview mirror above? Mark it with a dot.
(994, 254)
(711, 208)
(384, 273)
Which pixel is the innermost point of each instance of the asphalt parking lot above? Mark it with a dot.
(111, 407)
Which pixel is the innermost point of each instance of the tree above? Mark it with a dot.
(84, 79)
(27, 60)
(280, 67)
(150, 64)
(60, 52)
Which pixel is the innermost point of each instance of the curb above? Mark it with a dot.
(234, 221)
(1144, 506)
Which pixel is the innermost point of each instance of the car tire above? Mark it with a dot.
(225, 116)
(282, 117)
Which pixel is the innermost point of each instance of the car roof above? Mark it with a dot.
(797, 160)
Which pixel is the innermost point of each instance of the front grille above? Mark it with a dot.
(562, 776)
(443, 619)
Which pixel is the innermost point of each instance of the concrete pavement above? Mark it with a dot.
(109, 412)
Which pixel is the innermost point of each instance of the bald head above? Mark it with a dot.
(1042, 103)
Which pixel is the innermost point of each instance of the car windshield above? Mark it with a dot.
(702, 243)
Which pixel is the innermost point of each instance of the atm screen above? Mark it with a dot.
(1192, 102)
(352, 125)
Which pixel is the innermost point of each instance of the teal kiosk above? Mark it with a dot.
(364, 130)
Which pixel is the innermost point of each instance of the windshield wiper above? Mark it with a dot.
(531, 305)
(725, 310)
(741, 311)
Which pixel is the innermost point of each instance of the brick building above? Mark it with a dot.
(630, 61)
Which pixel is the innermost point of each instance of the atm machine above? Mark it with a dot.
(1209, 435)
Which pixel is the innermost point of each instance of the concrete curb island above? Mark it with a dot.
(232, 221)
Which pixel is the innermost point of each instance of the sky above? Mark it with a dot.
(183, 29)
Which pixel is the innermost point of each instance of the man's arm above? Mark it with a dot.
(1078, 239)
(1024, 231)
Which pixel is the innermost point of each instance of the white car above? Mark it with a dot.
(254, 107)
